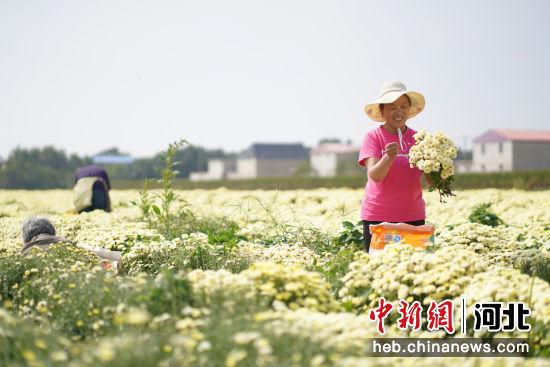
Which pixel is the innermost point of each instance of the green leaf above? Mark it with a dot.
(347, 224)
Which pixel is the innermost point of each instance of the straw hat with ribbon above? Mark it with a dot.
(389, 93)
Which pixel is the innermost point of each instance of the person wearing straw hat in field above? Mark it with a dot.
(393, 192)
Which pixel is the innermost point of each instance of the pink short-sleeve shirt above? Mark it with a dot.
(398, 197)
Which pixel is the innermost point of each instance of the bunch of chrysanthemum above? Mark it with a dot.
(478, 237)
(401, 272)
(434, 154)
(292, 255)
(291, 285)
(210, 286)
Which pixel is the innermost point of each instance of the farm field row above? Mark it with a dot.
(263, 278)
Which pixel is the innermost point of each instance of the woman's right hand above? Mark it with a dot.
(378, 168)
(391, 150)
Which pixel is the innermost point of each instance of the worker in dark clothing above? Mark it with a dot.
(93, 171)
(91, 191)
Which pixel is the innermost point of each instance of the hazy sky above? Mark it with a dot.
(89, 75)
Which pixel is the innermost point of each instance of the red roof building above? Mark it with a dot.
(513, 135)
(511, 150)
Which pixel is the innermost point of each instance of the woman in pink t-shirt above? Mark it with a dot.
(393, 192)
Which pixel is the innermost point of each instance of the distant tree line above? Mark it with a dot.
(39, 168)
(50, 168)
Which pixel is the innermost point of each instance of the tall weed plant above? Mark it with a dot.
(173, 217)
(157, 208)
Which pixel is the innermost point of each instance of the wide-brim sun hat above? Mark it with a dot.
(389, 93)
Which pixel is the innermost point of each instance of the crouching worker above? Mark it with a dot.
(39, 232)
(92, 189)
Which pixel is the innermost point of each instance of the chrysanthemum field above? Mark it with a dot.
(258, 278)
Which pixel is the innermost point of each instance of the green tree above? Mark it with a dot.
(40, 168)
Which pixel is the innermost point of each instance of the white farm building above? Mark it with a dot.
(217, 169)
(269, 160)
(331, 159)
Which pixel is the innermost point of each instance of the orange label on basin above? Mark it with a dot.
(387, 233)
